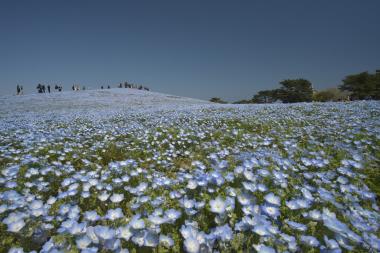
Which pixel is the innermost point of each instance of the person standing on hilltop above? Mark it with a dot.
(21, 90)
(18, 90)
(48, 88)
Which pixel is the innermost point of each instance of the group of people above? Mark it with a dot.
(41, 88)
(20, 90)
(77, 87)
(133, 86)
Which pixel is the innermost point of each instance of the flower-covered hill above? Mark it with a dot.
(124, 170)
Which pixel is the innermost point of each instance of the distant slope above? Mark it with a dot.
(118, 98)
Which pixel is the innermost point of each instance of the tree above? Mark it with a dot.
(266, 96)
(362, 86)
(217, 100)
(332, 94)
(243, 101)
(295, 90)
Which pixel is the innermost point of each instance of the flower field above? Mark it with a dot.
(144, 172)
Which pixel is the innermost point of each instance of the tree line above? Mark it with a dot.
(362, 86)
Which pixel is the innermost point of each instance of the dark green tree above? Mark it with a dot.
(266, 96)
(362, 86)
(217, 100)
(295, 90)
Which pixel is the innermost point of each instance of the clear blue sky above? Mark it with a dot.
(202, 49)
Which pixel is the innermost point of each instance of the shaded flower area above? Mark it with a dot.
(201, 178)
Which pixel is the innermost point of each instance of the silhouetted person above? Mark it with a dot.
(101, 87)
(48, 88)
(22, 89)
(18, 90)
(39, 88)
(43, 88)
(73, 87)
(109, 87)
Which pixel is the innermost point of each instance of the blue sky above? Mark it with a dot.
(201, 49)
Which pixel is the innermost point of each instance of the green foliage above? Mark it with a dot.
(362, 86)
(295, 90)
(244, 101)
(217, 100)
(332, 94)
(265, 96)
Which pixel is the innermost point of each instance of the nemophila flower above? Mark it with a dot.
(314, 214)
(3, 208)
(13, 217)
(91, 216)
(272, 199)
(36, 204)
(172, 214)
(124, 232)
(157, 220)
(139, 238)
(51, 200)
(307, 194)
(245, 198)
(238, 170)
(331, 244)
(16, 250)
(309, 240)
(296, 225)
(85, 195)
(103, 196)
(151, 239)
(271, 210)
(112, 244)
(288, 238)
(249, 186)
(83, 242)
(297, 204)
(166, 241)
(73, 212)
(192, 184)
(223, 233)
(191, 245)
(104, 233)
(114, 214)
(264, 249)
(16, 226)
(262, 187)
(90, 233)
(188, 203)
(64, 209)
(372, 240)
(249, 175)
(261, 230)
(116, 198)
(137, 223)
(77, 228)
(218, 205)
(90, 250)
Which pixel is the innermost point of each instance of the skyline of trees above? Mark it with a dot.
(362, 86)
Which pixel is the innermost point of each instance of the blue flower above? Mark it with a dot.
(218, 205)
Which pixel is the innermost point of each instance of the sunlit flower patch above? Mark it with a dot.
(201, 178)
